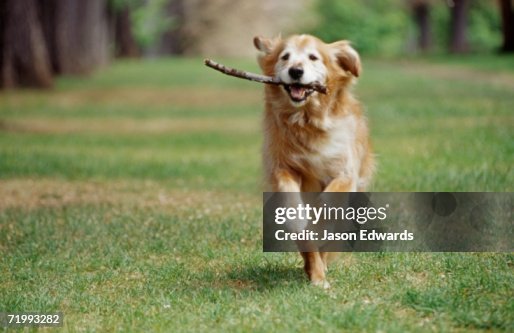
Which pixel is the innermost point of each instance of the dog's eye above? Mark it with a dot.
(285, 57)
(313, 57)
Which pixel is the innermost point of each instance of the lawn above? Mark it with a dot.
(131, 201)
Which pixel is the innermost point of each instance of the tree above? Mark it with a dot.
(171, 41)
(507, 14)
(421, 15)
(79, 35)
(459, 26)
(125, 43)
(41, 38)
(24, 59)
(121, 21)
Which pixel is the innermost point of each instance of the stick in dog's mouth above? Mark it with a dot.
(297, 92)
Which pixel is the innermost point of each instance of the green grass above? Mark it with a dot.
(130, 201)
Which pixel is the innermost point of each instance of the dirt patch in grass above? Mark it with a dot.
(125, 126)
(449, 72)
(137, 97)
(38, 193)
(475, 121)
(416, 279)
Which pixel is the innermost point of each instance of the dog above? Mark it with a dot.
(313, 142)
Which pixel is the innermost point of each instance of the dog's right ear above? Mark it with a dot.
(265, 45)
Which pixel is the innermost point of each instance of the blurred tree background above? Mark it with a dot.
(397, 27)
(42, 39)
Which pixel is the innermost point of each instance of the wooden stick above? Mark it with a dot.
(259, 78)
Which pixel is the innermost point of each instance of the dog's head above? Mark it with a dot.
(304, 59)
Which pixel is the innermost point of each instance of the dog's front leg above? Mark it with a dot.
(338, 184)
(341, 184)
(284, 180)
(288, 181)
(315, 268)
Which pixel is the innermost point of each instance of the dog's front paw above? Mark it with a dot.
(321, 283)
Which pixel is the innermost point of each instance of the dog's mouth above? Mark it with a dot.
(297, 92)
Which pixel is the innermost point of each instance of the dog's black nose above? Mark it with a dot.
(295, 72)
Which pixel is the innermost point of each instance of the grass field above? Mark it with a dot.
(131, 201)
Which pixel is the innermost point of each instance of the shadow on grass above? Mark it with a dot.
(266, 276)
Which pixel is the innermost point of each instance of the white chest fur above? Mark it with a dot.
(335, 154)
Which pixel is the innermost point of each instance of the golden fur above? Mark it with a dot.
(321, 144)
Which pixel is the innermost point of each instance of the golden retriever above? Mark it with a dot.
(313, 142)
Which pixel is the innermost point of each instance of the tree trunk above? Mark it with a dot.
(24, 59)
(459, 26)
(81, 36)
(421, 13)
(171, 41)
(507, 14)
(125, 42)
(49, 27)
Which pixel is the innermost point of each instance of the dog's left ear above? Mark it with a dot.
(346, 57)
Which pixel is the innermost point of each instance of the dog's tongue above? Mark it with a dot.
(297, 92)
